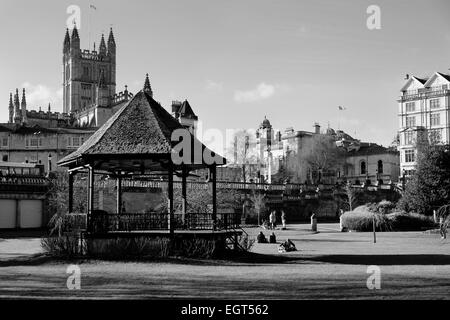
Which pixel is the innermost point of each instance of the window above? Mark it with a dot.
(4, 142)
(33, 142)
(75, 141)
(363, 167)
(380, 166)
(410, 122)
(435, 104)
(410, 107)
(85, 72)
(409, 137)
(409, 156)
(435, 119)
(5, 158)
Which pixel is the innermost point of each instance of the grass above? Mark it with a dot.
(328, 265)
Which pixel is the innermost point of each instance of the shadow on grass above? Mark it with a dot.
(33, 260)
(384, 260)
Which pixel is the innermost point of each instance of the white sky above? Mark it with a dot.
(239, 60)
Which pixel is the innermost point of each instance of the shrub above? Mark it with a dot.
(402, 221)
(129, 248)
(362, 220)
(246, 243)
(65, 246)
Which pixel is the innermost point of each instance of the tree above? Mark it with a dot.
(324, 156)
(58, 198)
(429, 186)
(259, 204)
(351, 196)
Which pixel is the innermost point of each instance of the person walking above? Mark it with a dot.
(442, 227)
(272, 219)
(283, 219)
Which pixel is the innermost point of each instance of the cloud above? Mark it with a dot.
(214, 86)
(261, 92)
(41, 95)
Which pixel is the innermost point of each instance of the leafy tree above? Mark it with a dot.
(429, 186)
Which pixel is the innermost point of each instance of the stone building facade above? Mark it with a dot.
(286, 157)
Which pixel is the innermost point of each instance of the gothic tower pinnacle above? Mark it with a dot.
(24, 107)
(17, 113)
(11, 109)
(147, 87)
(102, 48)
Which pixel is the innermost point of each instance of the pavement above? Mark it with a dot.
(13, 249)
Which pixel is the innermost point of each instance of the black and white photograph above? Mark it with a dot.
(224, 159)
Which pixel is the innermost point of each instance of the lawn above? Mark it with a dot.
(329, 264)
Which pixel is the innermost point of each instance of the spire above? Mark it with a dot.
(11, 105)
(102, 48)
(75, 39)
(24, 100)
(75, 35)
(24, 107)
(111, 39)
(66, 42)
(11, 109)
(49, 108)
(111, 45)
(147, 87)
(17, 113)
(16, 99)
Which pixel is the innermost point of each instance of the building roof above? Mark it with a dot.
(186, 111)
(371, 149)
(142, 128)
(24, 129)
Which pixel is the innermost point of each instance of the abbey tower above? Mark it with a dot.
(83, 70)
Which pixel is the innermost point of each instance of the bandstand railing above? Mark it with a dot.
(101, 223)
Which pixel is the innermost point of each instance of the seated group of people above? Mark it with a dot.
(286, 246)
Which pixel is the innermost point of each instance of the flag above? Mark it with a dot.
(93, 7)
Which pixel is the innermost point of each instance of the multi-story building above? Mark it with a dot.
(291, 155)
(423, 109)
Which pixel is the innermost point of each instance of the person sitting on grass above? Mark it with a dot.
(287, 246)
(272, 238)
(261, 238)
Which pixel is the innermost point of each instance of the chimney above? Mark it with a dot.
(316, 128)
